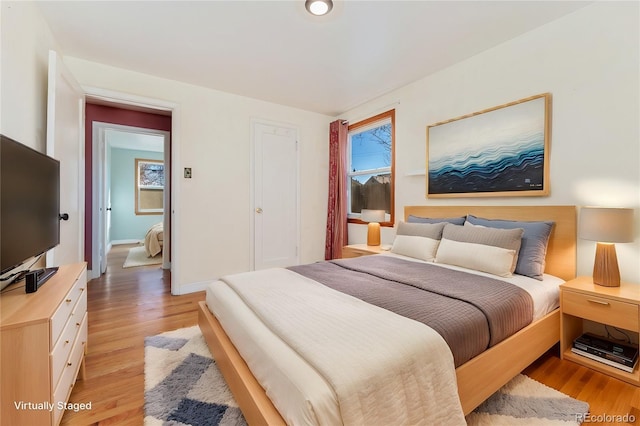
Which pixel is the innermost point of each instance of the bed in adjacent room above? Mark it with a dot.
(328, 343)
(154, 240)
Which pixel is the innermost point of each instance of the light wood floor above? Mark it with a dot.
(126, 305)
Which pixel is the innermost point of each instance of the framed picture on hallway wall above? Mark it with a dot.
(497, 152)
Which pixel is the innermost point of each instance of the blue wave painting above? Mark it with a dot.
(517, 167)
(476, 156)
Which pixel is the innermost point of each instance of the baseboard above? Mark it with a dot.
(119, 242)
(192, 287)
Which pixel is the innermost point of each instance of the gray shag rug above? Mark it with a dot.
(184, 387)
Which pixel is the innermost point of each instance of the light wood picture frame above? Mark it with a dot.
(497, 152)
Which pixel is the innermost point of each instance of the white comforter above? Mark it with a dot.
(383, 368)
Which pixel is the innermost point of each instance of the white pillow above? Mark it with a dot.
(417, 247)
(480, 257)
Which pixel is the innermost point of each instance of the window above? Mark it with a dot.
(370, 180)
(149, 191)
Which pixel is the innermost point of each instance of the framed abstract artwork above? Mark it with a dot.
(496, 152)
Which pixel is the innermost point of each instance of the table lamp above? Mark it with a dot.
(606, 226)
(373, 217)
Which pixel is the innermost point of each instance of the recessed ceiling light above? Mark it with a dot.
(318, 7)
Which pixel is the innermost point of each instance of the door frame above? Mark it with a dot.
(99, 167)
(252, 191)
(57, 68)
(172, 214)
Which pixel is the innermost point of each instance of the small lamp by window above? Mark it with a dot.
(373, 217)
(606, 226)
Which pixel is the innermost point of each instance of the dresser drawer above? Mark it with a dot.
(71, 366)
(61, 316)
(63, 346)
(600, 309)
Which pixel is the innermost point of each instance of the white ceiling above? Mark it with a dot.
(133, 140)
(276, 51)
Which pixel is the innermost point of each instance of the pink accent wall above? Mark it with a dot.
(114, 115)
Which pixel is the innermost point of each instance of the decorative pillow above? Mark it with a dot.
(429, 230)
(494, 260)
(535, 239)
(454, 220)
(509, 239)
(416, 247)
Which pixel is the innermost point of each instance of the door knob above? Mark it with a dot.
(258, 210)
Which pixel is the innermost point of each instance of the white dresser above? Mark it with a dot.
(43, 338)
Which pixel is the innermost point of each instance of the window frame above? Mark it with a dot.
(139, 209)
(370, 122)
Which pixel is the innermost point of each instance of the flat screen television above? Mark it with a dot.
(29, 204)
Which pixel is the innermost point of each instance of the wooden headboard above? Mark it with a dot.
(561, 252)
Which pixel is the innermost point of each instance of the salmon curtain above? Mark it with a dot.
(337, 207)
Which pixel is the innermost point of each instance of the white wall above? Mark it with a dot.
(25, 42)
(212, 234)
(589, 62)
(213, 209)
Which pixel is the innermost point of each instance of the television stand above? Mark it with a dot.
(43, 340)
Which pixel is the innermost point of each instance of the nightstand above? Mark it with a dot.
(357, 250)
(580, 300)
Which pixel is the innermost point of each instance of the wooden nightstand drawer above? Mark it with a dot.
(600, 309)
(350, 252)
(357, 250)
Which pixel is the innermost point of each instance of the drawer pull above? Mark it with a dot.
(69, 364)
(66, 342)
(68, 300)
(599, 302)
(78, 324)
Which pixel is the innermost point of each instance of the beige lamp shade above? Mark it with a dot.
(374, 217)
(606, 226)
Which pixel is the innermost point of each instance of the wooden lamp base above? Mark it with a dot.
(605, 266)
(373, 234)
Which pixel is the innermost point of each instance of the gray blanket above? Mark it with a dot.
(471, 312)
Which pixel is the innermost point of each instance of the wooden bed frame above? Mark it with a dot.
(478, 378)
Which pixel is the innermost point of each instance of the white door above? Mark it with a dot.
(101, 203)
(276, 209)
(65, 142)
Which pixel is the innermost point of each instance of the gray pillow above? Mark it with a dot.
(504, 238)
(429, 230)
(454, 220)
(531, 259)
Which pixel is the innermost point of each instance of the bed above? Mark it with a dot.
(476, 378)
(154, 239)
